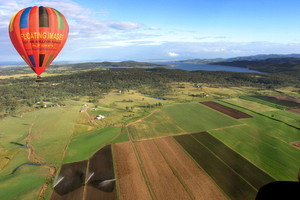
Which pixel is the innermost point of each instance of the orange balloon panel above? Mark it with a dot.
(38, 34)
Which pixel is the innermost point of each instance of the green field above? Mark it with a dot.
(235, 161)
(179, 119)
(195, 117)
(250, 104)
(250, 151)
(84, 146)
(228, 180)
(266, 143)
(263, 102)
(25, 183)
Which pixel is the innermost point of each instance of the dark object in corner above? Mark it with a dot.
(279, 190)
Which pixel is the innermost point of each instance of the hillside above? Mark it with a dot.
(272, 65)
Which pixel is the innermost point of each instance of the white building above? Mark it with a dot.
(99, 117)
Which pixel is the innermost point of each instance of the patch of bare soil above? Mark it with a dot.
(294, 110)
(131, 182)
(287, 98)
(296, 144)
(101, 177)
(226, 110)
(198, 183)
(163, 181)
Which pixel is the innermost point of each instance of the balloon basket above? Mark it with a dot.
(38, 79)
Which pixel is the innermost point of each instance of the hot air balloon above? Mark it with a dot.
(38, 34)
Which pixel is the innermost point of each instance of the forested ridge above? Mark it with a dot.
(17, 92)
(290, 66)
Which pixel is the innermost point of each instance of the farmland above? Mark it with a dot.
(178, 119)
(160, 169)
(155, 153)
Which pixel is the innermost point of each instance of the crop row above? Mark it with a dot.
(237, 177)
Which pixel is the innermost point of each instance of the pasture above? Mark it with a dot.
(178, 119)
(266, 142)
(84, 146)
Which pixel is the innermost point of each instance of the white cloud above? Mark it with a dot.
(172, 54)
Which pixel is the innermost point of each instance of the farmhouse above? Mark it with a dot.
(99, 117)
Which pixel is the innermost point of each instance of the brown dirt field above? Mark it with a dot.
(286, 98)
(296, 144)
(101, 164)
(71, 187)
(199, 184)
(164, 183)
(75, 195)
(294, 110)
(131, 182)
(226, 110)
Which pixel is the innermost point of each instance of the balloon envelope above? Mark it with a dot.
(38, 34)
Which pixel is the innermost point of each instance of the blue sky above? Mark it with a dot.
(167, 29)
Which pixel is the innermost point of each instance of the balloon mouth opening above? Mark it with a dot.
(38, 79)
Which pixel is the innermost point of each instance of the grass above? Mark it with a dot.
(123, 136)
(82, 147)
(52, 131)
(240, 165)
(266, 143)
(26, 181)
(285, 116)
(226, 178)
(250, 104)
(179, 119)
(194, 117)
(263, 102)
(156, 124)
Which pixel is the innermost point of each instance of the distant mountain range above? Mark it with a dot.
(245, 58)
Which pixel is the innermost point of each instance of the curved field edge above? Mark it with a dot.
(84, 146)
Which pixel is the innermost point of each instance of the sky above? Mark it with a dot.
(114, 30)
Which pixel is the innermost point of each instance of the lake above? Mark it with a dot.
(205, 67)
(195, 66)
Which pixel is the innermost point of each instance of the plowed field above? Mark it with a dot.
(163, 181)
(226, 110)
(101, 185)
(72, 180)
(131, 182)
(197, 182)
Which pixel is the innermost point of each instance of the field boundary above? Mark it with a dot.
(175, 172)
(259, 114)
(152, 194)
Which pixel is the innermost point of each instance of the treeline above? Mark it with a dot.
(153, 82)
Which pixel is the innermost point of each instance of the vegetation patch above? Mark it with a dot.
(83, 146)
(280, 101)
(255, 176)
(228, 180)
(266, 142)
(264, 102)
(194, 117)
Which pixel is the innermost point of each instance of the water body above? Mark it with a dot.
(195, 67)
(205, 67)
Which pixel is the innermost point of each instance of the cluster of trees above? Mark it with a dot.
(153, 82)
